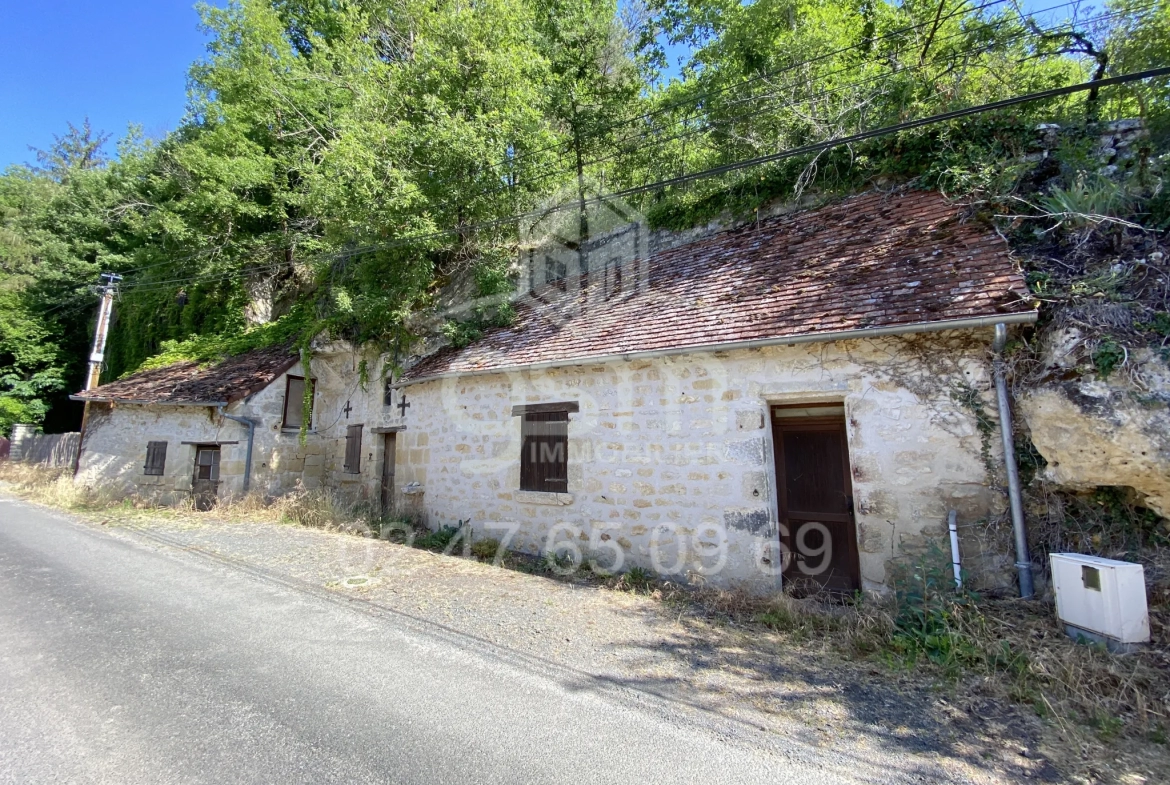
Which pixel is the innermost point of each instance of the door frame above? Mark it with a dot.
(389, 467)
(775, 429)
(208, 447)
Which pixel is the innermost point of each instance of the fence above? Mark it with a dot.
(55, 450)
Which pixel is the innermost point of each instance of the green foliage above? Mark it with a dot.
(1159, 324)
(1107, 522)
(1107, 357)
(486, 549)
(933, 620)
(638, 578)
(440, 540)
(337, 158)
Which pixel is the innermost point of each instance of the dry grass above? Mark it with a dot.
(1107, 713)
(320, 509)
(52, 487)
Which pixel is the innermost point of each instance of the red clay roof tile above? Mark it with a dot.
(874, 260)
(191, 383)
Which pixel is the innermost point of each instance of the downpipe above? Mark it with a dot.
(1023, 561)
(251, 426)
(956, 559)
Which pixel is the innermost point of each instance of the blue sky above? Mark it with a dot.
(117, 61)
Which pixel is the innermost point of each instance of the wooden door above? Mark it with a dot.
(388, 456)
(816, 499)
(205, 483)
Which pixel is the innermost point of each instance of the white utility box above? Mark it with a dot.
(1101, 599)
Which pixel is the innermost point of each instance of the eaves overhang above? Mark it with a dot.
(969, 323)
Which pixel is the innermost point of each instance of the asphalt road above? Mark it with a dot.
(126, 661)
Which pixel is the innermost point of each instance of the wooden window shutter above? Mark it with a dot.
(294, 402)
(353, 449)
(156, 458)
(544, 451)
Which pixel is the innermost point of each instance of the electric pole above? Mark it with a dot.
(108, 288)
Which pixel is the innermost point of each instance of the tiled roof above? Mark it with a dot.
(191, 383)
(871, 261)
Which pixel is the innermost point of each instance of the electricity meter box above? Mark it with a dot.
(1103, 600)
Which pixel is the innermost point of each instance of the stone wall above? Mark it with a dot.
(671, 459)
(116, 436)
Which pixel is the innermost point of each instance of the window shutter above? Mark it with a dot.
(156, 458)
(544, 456)
(353, 449)
(294, 402)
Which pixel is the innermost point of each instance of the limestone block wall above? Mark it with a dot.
(114, 448)
(670, 460)
(345, 399)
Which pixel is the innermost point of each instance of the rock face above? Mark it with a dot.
(1113, 432)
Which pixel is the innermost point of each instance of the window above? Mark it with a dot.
(555, 271)
(207, 463)
(294, 406)
(388, 391)
(156, 458)
(353, 450)
(544, 446)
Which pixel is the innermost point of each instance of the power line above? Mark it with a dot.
(554, 171)
(765, 159)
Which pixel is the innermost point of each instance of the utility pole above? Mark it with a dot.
(108, 288)
(97, 355)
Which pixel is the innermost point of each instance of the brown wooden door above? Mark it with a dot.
(205, 482)
(388, 456)
(816, 500)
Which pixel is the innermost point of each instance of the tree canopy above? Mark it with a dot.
(341, 159)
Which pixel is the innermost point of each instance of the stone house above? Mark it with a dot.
(183, 431)
(797, 393)
(801, 395)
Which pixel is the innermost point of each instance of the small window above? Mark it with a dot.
(294, 402)
(156, 458)
(388, 391)
(353, 449)
(544, 452)
(207, 463)
(555, 271)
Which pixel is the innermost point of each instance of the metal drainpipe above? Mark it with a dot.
(1023, 561)
(248, 456)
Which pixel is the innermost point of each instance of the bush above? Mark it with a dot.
(485, 550)
(438, 540)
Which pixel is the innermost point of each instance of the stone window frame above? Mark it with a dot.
(288, 379)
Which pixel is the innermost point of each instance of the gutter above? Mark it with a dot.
(139, 402)
(842, 335)
(1019, 529)
(251, 426)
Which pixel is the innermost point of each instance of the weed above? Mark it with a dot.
(1107, 357)
(636, 579)
(485, 550)
(439, 540)
(932, 619)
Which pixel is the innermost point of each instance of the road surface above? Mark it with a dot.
(127, 661)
